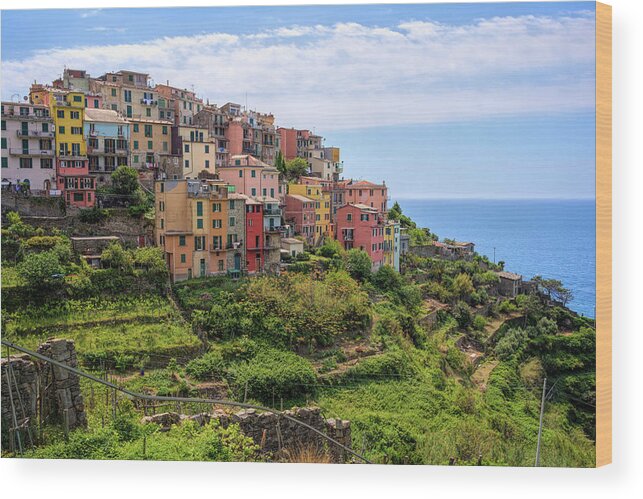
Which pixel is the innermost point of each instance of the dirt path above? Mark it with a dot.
(481, 375)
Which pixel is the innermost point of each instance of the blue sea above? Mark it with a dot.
(553, 238)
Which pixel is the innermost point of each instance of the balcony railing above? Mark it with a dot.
(272, 211)
(35, 133)
(214, 247)
(18, 151)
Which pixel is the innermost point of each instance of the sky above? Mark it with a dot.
(491, 100)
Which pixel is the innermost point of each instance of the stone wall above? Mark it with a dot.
(40, 391)
(36, 206)
(274, 434)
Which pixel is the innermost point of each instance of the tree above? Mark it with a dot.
(125, 180)
(116, 257)
(387, 279)
(41, 270)
(358, 264)
(280, 164)
(295, 168)
(554, 289)
(330, 248)
(462, 286)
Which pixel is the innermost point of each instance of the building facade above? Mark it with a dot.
(192, 226)
(72, 164)
(28, 146)
(251, 176)
(392, 244)
(107, 142)
(300, 212)
(322, 198)
(236, 235)
(362, 227)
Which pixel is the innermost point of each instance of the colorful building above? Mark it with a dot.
(365, 192)
(392, 244)
(254, 235)
(236, 234)
(192, 226)
(362, 227)
(72, 164)
(150, 139)
(127, 92)
(28, 146)
(251, 176)
(107, 135)
(322, 197)
(197, 150)
(186, 103)
(300, 212)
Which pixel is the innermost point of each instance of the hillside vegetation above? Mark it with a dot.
(464, 386)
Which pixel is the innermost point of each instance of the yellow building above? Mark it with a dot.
(72, 168)
(191, 226)
(198, 150)
(150, 139)
(323, 223)
(392, 244)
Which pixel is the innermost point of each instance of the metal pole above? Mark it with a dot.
(540, 426)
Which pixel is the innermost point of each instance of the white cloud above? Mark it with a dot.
(351, 75)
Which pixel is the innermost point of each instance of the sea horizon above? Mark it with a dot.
(554, 238)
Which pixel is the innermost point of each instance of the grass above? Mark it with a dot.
(124, 332)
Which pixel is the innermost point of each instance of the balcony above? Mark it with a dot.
(235, 245)
(216, 248)
(35, 133)
(149, 102)
(71, 157)
(18, 151)
(272, 212)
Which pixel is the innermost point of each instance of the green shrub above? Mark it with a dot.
(513, 342)
(208, 366)
(275, 373)
(93, 215)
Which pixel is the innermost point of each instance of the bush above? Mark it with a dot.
(330, 248)
(513, 342)
(358, 264)
(93, 215)
(275, 373)
(41, 270)
(387, 279)
(479, 323)
(209, 365)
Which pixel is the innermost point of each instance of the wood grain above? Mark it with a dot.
(603, 234)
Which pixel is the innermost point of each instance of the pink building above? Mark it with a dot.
(366, 193)
(362, 227)
(300, 212)
(251, 176)
(288, 142)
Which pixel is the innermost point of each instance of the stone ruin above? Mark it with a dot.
(275, 435)
(35, 391)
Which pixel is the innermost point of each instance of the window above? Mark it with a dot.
(199, 208)
(5, 162)
(127, 95)
(75, 115)
(253, 173)
(45, 127)
(186, 148)
(231, 222)
(349, 217)
(136, 157)
(148, 130)
(207, 149)
(46, 163)
(4, 142)
(161, 203)
(150, 145)
(164, 129)
(220, 261)
(199, 223)
(162, 223)
(165, 146)
(272, 192)
(181, 240)
(114, 107)
(216, 207)
(232, 204)
(60, 113)
(96, 103)
(240, 172)
(162, 188)
(254, 191)
(113, 92)
(148, 112)
(61, 130)
(216, 242)
(207, 163)
(78, 98)
(183, 258)
(4, 125)
(216, 223)
(136, 127)
(136, 145)
(363, 217)
(79, 196)
(76, 130)
(187, 163)
(26, 163)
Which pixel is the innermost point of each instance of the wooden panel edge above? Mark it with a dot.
(603, 234)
